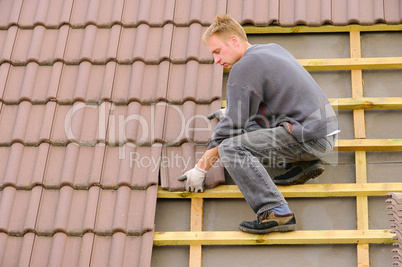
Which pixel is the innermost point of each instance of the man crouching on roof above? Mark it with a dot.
(275, 112)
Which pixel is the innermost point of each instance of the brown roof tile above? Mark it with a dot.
(190, 123)
(86, 83)
(67, 210)
(128, 165)
(203, 12)
(136, 123)
(77, 166)
(38, 85)
(16, 250)
(179, 159)
(81, 123)
(187, 45)
(61, 250)
(4, 70)
(39, 44)
(22, 166)
(19, 209)
(312, 13)
(122, 250)
(391, 12)
(44, 12)
(26, 123)
(260, 13)
(7, 39)
(153, 13)
(140, 82)
(9, 13)
(135, 44)
(101, 13)
(125, 210)
(201, 83)
(96, 45)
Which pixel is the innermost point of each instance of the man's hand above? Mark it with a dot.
(219, 114)
(195, 179)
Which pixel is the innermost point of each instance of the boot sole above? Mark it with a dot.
(303, 177)
(279, 228)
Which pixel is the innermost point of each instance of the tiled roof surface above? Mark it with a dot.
(99, 97)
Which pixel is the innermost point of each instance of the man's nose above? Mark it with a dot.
(216, 59)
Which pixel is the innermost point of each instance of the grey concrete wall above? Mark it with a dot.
(289, 256)
(311, 213)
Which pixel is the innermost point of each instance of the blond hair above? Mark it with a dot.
(224, 26)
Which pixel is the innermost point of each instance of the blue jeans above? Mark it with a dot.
(246, 157)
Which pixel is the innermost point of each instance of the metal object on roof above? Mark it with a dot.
(395, 207)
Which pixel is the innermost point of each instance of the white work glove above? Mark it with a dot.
(195, 179)
(219, 114)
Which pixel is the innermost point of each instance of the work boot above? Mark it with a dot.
(269, 222)
(300, 172)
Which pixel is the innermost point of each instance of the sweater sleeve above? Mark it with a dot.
(243, 104)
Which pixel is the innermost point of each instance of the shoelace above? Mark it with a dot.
(264, 215)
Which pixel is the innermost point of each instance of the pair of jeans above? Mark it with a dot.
(246, 157)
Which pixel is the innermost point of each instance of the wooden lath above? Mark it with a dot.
(288, 238)
(359, 127)
(355, 103)
(322, 29)
(368, 145)
(351, 63)
(197, 208)
(295, 191)
(370, 63)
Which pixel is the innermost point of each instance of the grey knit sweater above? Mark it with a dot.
(268, 87)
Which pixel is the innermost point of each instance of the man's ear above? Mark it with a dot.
(234, 40)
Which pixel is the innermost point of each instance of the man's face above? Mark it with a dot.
(225, 53)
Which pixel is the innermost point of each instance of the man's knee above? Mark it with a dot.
(222, 148)
(229, 145)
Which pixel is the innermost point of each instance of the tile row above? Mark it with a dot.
(76, 212)
(156, 13)
(63, 250)
(79, 167)
(289, 13)
(101, 45)
(82, 168)
(53, 14)
(313, 13)
(117, 83)
(89, 125)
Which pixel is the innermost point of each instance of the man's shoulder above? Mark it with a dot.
(256, 56)
(265, 48)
